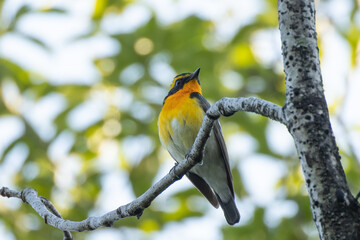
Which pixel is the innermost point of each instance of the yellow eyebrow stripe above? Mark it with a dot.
(181, 76)
(178, 77)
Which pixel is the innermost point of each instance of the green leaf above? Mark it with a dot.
(20, 13)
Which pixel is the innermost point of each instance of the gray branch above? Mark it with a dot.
(225, 106)
(228, 106)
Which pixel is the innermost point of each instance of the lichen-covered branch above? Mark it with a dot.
(335, 211)
(228, 106)
(225, 106)
(40, 204)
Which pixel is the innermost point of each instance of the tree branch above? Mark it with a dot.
(228, 106)
(225, 106)
(40, 204)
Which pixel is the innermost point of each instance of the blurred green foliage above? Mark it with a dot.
(181, 45)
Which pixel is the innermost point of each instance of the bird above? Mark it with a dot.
(179, 121)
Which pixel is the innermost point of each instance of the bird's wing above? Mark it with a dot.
(219, 137)
(204, 188)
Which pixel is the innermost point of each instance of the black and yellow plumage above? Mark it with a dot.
(179, 122)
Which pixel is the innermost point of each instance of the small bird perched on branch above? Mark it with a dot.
(179, 122)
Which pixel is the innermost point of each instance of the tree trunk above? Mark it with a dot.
(335, 211)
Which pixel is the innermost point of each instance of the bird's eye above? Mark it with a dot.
(177, 83)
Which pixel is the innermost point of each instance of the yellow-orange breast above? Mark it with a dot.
(179, 122)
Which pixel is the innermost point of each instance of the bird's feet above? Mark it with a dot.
(173, 172)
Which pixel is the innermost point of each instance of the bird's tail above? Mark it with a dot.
(230, 210)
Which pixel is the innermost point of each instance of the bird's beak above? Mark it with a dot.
(195, 74)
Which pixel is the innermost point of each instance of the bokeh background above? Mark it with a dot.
(81, 86)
